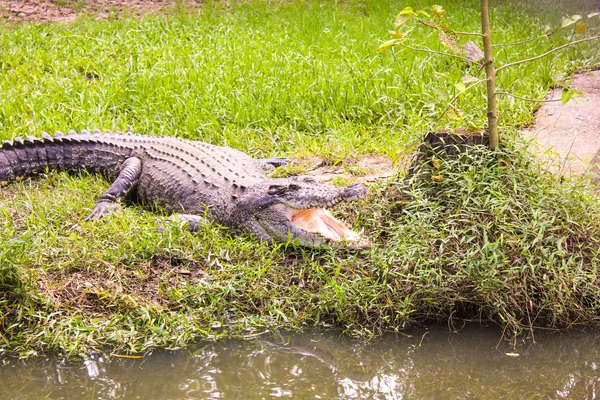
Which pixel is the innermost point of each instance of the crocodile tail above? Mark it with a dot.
(19, 158)
(6, 169)
(26, 157)
(72, 152)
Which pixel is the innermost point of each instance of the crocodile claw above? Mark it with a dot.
(192, 222)
(102, 209)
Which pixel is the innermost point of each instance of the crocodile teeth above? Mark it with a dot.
(319, 220)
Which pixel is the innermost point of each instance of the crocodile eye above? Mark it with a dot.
(277, 189)
(309, 179)
(293, 186)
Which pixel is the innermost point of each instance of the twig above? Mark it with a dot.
(439, 28)
(481, 67)
(547, 53)
(456, 97)
(516, 43)
(435, 52)
(469, 33)
(433, 26)
(526, 99)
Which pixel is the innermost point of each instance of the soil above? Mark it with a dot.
(42, 11)
(367, 168)
(97, 291)
(567, 136)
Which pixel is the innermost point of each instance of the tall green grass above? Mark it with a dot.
(285, 78)
(494, 238)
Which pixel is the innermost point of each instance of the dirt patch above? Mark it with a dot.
(102, 290)
(42, 11)
(367, 168)
(568, 135)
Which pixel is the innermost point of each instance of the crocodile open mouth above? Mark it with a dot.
(319, 220)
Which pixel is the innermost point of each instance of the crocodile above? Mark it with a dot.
(192, 180)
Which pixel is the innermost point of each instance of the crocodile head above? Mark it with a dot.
(293, 209)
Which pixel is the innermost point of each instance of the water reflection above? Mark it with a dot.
(434, 363)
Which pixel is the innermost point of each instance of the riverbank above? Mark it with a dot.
(484, 238)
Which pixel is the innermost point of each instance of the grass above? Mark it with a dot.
(494, 238)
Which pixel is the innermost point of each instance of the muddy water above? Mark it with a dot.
(434, 363)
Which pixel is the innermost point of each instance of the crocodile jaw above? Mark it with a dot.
(293, 210)
(320, 221)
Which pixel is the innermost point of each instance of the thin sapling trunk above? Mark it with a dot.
(490, 72)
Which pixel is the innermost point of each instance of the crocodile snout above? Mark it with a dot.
(354, 191)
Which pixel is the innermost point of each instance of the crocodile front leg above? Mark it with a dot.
(127, 179)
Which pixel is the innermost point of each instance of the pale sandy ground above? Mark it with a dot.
(567, 136)
(41, 11)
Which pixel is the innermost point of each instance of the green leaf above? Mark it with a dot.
(460, 86)
(547, 31)
(566, 22)
(454, 114)
(581, 28)
(438, 11)
(442, 74)
(575, 17)
(406, 11)
(421, 12)
(403, 16)
(387, 44)
(566, 95)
